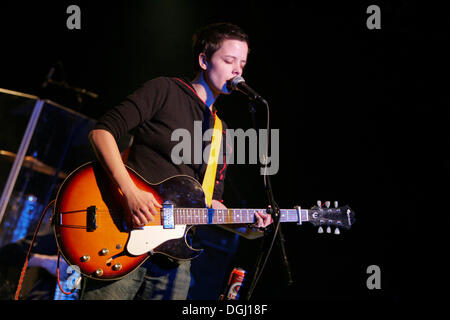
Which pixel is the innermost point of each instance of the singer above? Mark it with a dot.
(153, 112)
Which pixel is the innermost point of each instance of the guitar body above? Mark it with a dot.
(93, 231)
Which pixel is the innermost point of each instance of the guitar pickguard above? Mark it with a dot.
(146, 239)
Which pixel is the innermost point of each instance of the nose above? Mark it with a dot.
(237, 70)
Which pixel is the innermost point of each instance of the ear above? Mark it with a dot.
(202, 61)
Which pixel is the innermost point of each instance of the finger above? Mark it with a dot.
(265, 219)
(146, 214)
(259, 220)
(140, 214)
(153, 210)
(136, 221)
(155, 202)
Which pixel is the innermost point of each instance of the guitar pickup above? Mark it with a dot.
(91, 218)
(167, 215)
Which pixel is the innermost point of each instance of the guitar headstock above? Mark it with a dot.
(322, 216)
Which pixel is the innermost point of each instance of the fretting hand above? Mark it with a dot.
(262, 219)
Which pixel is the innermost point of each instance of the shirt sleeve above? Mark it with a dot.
(138, 107)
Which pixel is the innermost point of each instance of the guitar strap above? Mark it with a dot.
(210, 175)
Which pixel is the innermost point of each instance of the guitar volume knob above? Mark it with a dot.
(117, 267)
(99, 272)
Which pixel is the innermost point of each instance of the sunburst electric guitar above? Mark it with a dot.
(94, 232)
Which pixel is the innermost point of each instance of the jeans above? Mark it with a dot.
(154, 280)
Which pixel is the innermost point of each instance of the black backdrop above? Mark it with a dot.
(362, 116)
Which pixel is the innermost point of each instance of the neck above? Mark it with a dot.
(230, 216)
(204, 90)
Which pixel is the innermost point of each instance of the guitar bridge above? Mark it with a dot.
(91, 218)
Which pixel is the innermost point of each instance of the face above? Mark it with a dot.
(226, 63)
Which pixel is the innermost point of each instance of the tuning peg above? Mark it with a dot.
(327, 204)
(336, 231)
(328, 230)
(320, 230)
(336, 204)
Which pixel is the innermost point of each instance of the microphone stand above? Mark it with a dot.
(77, 90)
(274, 210)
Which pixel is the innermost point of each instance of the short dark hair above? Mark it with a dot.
(208, 39)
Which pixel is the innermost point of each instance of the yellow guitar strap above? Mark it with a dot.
(210, 175)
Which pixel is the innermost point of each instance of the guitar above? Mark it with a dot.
(94, 232)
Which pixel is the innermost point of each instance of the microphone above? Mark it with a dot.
(238, 83)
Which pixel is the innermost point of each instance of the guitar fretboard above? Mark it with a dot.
(229, 216)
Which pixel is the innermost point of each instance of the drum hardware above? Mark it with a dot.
(32, 163)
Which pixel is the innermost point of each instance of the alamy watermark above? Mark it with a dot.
(374, 280)
(374, 20)
(188, 150)
(73, 281)
(74, 20)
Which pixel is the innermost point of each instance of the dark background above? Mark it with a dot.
(362, 116)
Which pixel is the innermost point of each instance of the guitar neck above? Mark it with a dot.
(194, 216)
